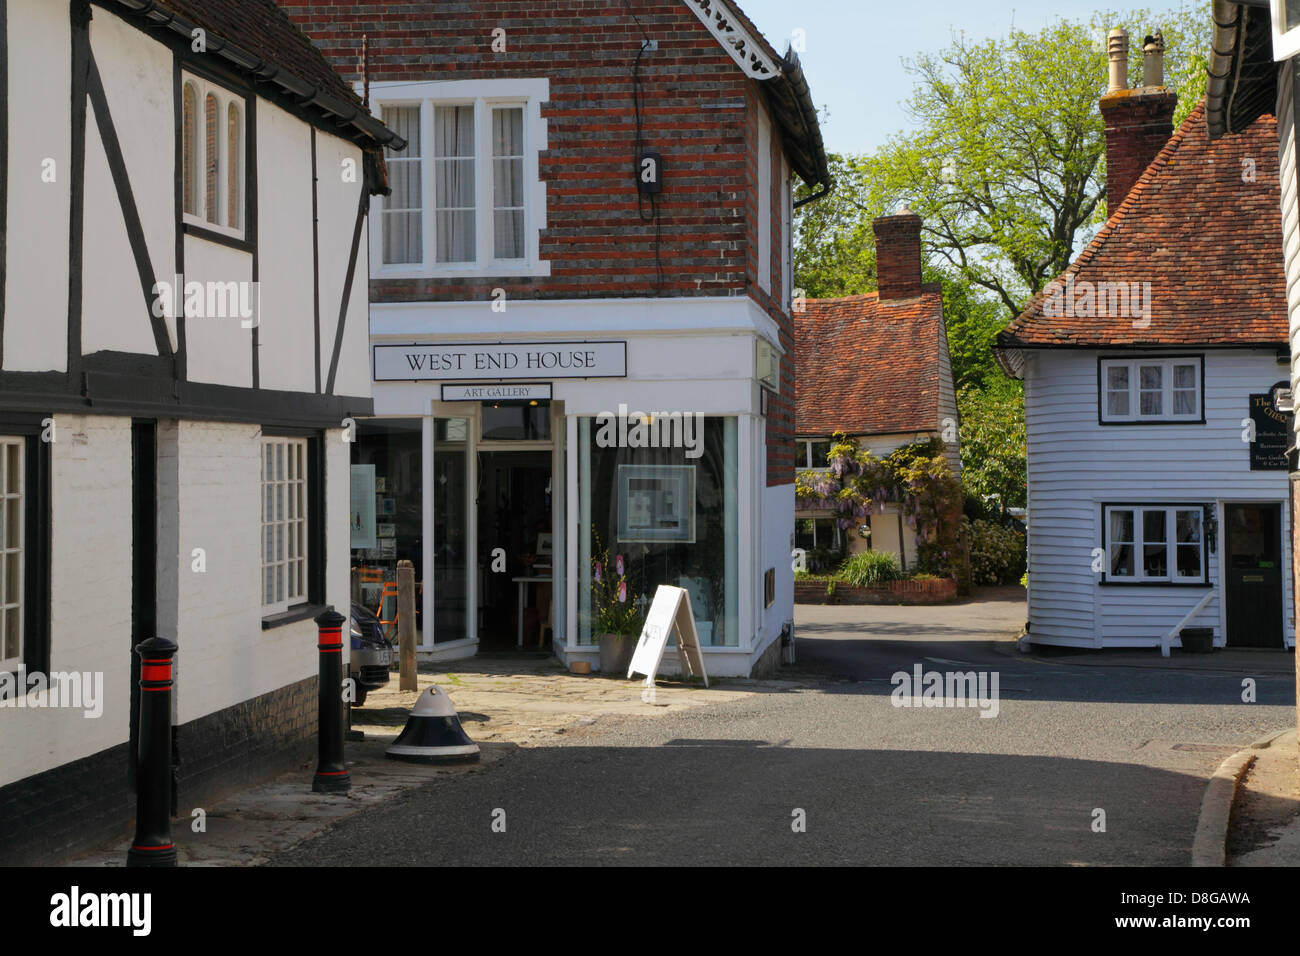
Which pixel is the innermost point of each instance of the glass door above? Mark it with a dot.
(451, 595)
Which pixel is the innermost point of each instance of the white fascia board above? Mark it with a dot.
(529, 319)
(744, 49)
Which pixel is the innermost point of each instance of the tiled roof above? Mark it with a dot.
(261, 28)
(1203, 227)
(868, 367)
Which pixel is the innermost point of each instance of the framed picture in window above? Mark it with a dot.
(656, 503)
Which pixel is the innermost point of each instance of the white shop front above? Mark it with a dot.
(511, 468)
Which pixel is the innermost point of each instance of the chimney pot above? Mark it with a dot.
(898, 255)
(1138, 122)
(1117, 49)
(1153, 60)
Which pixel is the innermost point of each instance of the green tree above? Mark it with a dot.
(1006, 164)
(993, 441)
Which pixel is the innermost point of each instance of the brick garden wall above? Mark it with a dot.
(939, 591)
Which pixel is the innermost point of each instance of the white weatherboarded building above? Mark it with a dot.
(168, 471)
(1157, 463)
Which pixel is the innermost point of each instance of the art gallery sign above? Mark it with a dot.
(499, 360)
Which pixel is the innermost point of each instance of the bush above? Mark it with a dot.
(871, 568)
(997, 553)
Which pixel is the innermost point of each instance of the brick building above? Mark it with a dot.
(875, 367)
(174, 381)
(580, 314)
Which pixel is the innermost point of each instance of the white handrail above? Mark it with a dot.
(1165, 641)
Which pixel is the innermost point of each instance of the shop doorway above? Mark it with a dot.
(516, 549)
(1253, 575)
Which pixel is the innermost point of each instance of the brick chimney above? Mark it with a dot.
(898, 255)
(1138, 121)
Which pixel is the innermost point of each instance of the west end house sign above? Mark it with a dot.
(500, 360)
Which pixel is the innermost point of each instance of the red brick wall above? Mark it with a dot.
(1138, 125)
(698, 110)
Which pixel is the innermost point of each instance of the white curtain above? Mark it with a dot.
(403, 210)
(454, 182)
(508, 183)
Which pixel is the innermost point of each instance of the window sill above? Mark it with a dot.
(221, 238)
(1153, 421)
(1156, 584)
(495, 270)
(299, 612)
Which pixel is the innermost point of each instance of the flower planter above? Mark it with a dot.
(616, 654)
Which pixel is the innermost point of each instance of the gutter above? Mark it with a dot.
(1227, 48)
(306, 94)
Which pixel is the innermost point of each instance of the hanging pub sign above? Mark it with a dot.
(501, 361)
(1268, 450)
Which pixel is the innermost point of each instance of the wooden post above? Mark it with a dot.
(406, 625)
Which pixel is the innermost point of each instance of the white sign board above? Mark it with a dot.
(509, 392)
(670, 612)
(502, 361)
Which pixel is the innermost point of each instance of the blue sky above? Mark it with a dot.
(855, 48)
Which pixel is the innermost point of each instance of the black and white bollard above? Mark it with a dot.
(331, 772)
(153, 845)
(433, 733)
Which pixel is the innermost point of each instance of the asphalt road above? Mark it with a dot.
(1075, 745)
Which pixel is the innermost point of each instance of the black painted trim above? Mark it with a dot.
(1101, 390)
(1106, 581)
(315, 253)
(4, 174)
(79, 17)
(36, 537)
(178, 109)
(299, 612)
(144, 565)
(251, 219)
(212, 235)
(362, 208)
(126, 199)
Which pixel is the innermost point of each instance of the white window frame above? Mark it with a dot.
(1286, 43)
(483, 95)
(13, 444)
(1171, 543)
(301, 535)
(1166, 364)
(224, 97)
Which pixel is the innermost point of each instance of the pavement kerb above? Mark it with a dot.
(1210, 845)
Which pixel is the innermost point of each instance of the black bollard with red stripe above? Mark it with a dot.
(153, 844)
(331, 772)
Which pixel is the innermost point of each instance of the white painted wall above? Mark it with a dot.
(137, 75)
(287, 333)
(90, 619)
(338, 200)
(225, 656)
(219, 350)
(36, 281)
(1075, 464)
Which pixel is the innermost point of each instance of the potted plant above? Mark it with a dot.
(616, 618)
